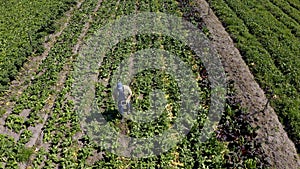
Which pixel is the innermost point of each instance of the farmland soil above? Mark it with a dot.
(276, 145)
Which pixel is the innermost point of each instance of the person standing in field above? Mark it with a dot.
(122, 95)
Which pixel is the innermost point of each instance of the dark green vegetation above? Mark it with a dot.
(13, 152)
(23, 27)
(267, 35)
(231, 145)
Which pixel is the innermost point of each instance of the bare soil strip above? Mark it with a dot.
(276, 145)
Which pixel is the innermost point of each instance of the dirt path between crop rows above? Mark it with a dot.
(276, 145)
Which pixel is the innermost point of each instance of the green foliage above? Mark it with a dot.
(271, 49)
(12, 152)
(15, 122)
(24, 154)
(2, 112)
(288, 8)
(60, 133)
(23, 27)
(287, 20)
(250, 164)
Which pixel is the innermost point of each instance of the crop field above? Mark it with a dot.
(41, 54)
(267, 35)
(23, 25)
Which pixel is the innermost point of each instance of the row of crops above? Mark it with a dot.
(35, 97)
(62, 143)
(267, 35)
(23, 26)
